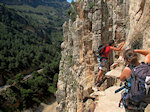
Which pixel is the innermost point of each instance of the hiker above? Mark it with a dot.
(102, 60)
(131, 63)
(131, 60)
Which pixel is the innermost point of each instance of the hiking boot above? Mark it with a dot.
(106, 76)
(96, 84)
(99, 83)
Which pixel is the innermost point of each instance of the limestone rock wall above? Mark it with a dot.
(139, 34)
(97, 22)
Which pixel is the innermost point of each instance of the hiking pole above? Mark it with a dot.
(120, 89)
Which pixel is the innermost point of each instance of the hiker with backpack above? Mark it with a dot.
(136, 76)
(104, 51)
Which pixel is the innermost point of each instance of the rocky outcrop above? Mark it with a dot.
(97, 21)
(139, 36)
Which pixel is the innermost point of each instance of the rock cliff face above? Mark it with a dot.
(139, 35)
(97, 22)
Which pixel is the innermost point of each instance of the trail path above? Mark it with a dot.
(108, 101)
(50, 108)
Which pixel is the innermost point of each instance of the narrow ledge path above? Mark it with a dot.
(108, 100)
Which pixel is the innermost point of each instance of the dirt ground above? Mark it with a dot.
(50, 108)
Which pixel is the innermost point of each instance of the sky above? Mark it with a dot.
(69, 1)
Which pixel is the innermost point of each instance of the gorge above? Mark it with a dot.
(30, 37)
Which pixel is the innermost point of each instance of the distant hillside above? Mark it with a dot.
(53, 3)
(30, 39)
(23, 27)
(30, 36)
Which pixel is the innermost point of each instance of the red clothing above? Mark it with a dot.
(107, 52)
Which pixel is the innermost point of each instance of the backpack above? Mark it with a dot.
(101, 49)
(140, 84)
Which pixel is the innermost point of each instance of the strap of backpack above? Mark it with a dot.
(104, 49)
(148, 64)
(132, 66)
(143, 63)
